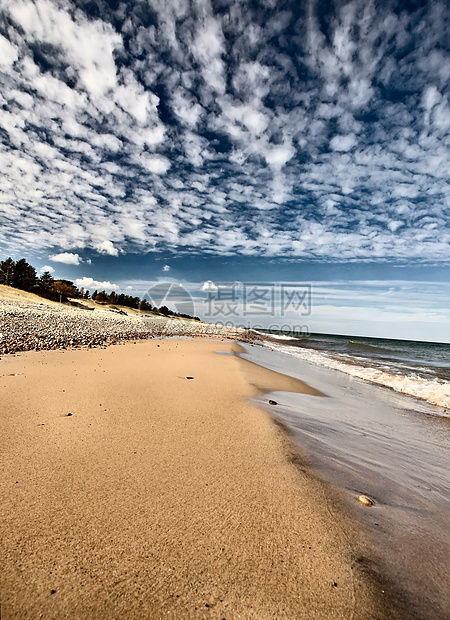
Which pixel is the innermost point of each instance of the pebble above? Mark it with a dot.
(366, 501)
(273, 402)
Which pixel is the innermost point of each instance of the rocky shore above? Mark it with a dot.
(27, 326)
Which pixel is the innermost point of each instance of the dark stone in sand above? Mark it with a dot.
(69, 414)
(189, 377)
(273, 402)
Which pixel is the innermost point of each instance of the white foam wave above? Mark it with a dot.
(435, 391)
(276, 336)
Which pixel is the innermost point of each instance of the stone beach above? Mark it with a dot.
(27, 326)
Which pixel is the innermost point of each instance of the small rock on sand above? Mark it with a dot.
(273, 402)
(366, 501)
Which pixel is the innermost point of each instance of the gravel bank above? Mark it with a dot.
(26, 326)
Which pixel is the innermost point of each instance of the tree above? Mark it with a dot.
(164, 310)
(145, 305)
(127, 300)
(112, 298)
(25, 276)
(65, 288)
(94, 294)
(7, 271)
(101, 297)
(46, 281)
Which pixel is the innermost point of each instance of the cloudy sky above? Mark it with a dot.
(231, 140)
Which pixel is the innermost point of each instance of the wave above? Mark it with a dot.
(276, 336)
(369, 348)
(433, 390)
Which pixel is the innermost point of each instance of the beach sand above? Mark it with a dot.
(167, 497)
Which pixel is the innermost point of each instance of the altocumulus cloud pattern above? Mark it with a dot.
(296, 128)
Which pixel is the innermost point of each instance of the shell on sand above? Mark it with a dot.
(363, 499)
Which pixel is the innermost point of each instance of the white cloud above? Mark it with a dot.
(246, 164)
(47, 268)
(279, 156)
(166, 268)
(67, 258)
(88, 45)
(90, 283)
(208, 48)
(188, 110)
(8, 53)
(107, 247)
(395, 225)
(209, 286)
(343, 143)
(155, 163)
(406, 190)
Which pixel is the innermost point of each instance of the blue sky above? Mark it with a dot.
(230, 141)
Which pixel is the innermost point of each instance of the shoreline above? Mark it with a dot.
(395, 375)
(168, 496)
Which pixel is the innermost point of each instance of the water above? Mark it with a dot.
(420, 369)
(387, 444)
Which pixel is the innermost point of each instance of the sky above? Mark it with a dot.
(235, 142)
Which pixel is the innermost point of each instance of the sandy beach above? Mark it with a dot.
(132, 491)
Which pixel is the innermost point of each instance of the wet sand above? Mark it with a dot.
(367, 439)
(163, 496)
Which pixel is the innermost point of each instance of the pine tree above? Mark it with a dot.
(46, 281)
(112, 297)
(7, 271)
(25, 276)
(101, 297)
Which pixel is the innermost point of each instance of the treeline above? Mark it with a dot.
(114, 299)
(19, 274)
(24, 276)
